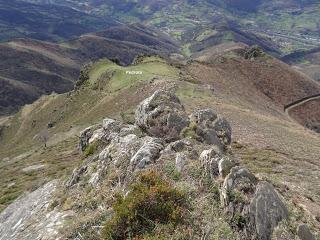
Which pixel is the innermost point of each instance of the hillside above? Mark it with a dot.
(292, 24)
(46, 22)
(307, 61)
(32, 68)
(265, 140)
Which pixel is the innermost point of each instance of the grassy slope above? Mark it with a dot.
(32, 68)
(268, 142)
(69, 113)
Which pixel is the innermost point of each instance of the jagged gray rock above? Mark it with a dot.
(209, 161)
(29, 216)
(223, 130)
(162, 115)
(225, 164)
(215, 163)
(210, 128)
(85, 136)
(204, 116)
(266, 210)
(304, 232)
(148, 153)
(238, 176)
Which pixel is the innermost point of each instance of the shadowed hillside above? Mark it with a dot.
(46, 22)
(31, 68)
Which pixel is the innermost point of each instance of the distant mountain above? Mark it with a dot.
(30, 68)
(46, 22)
(293, 24)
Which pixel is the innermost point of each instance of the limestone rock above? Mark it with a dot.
(304, 233)
(266, 210)
(148, 153)
(76, 176)
(209, 161)
(85, 136)
(96, 135)
(181, 158)
(204, 116)
(162, 115)
(211, 128)
(223, 130)
(238, 177)
(224, 165)
(30, 218)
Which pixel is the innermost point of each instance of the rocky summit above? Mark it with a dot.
(166, 154)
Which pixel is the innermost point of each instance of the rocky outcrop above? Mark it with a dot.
(254, 209)
(148, 153)
(30, 217)
(210, 128)
(304, 233)
(162, 115)
(85, 136)
(266, 210)
(215, 163)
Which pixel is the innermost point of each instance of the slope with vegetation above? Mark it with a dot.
(294, 23)
(265, 140)
(31, 68)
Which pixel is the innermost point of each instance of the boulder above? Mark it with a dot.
(304, 232)
(148, 153)
(223, 130)
(85, 136)
(209, 161)
(239, 178)
(162, 115)
(30, 217)
(266, 210)
(181, 158)
(210, 128)
(224, 166)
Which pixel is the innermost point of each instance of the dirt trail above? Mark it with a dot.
(297, 103)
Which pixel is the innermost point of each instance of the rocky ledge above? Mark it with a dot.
(162, 128)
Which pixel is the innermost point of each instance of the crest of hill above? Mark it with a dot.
(43, 67)
(263, 74)
(269, 142)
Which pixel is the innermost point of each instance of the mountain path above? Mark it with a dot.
(299, 102)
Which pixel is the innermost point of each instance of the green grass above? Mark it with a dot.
(206, 34)
(121, 78)
(71, 113)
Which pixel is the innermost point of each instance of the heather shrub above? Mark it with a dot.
(150, 201)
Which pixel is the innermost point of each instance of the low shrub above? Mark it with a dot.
(190, 131)
(91, 149)
(83, 76)
(150, 201)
